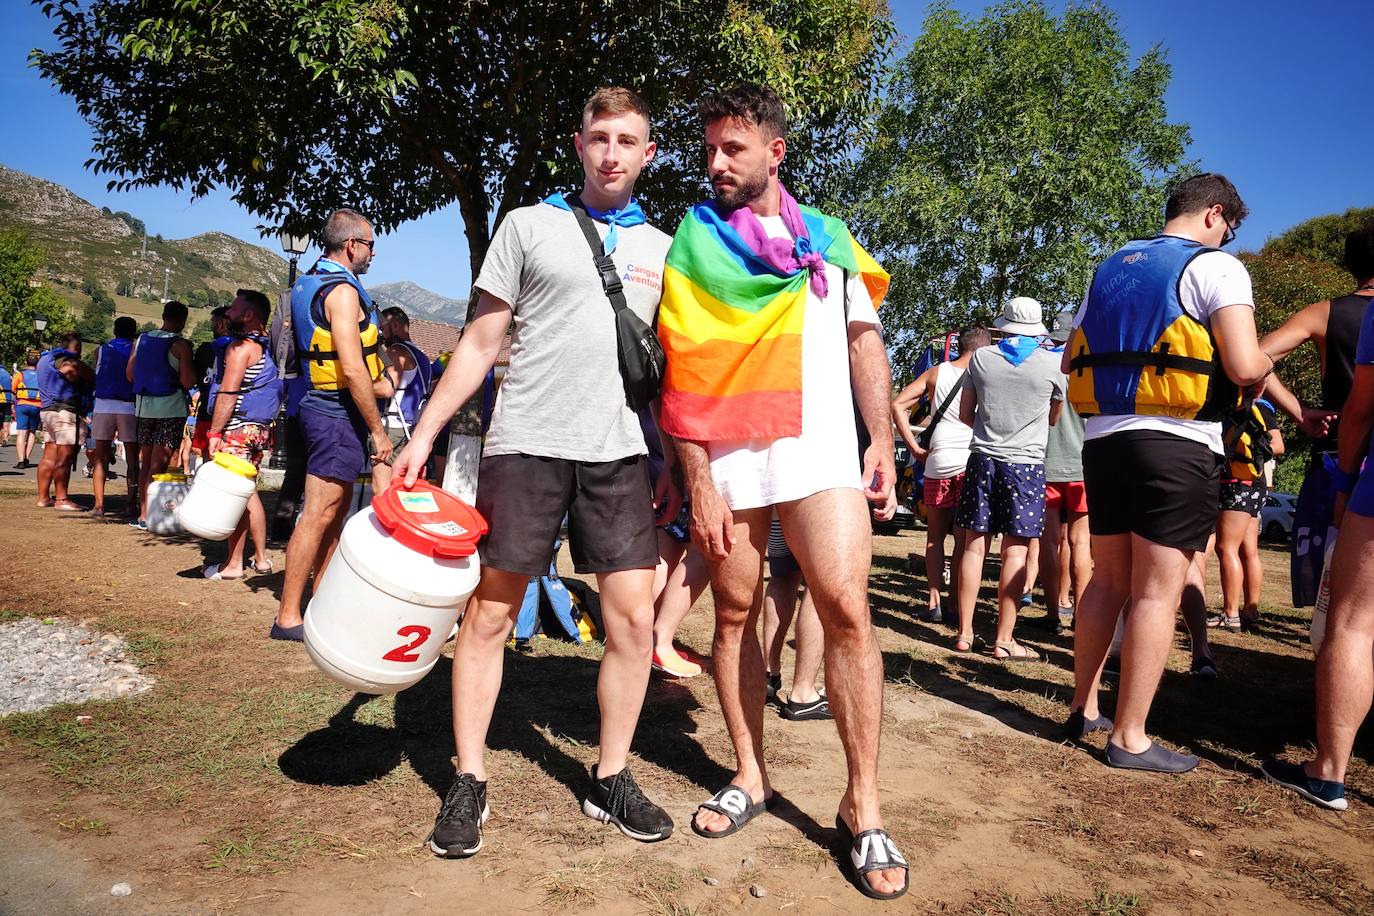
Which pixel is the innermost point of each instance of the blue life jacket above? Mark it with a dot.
(54, 390)
(259, 402)
(411, 396)
(110, 380)
(153, 372)
(1136, 351)
(314, 341)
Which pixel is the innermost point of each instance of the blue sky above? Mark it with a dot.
(1276, 93)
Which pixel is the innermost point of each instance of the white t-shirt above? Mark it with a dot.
(1211, 282)
(763, 472)
(951, 442)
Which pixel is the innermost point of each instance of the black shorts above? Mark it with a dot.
(1160, 486)
(609, 504)
(1243, 496)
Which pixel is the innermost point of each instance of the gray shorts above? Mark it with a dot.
(104, 427)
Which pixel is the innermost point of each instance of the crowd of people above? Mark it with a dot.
(1109, 457)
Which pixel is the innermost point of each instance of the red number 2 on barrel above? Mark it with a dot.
(404, 653)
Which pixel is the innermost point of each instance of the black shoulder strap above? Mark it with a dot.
(605, 267)
(949, 398)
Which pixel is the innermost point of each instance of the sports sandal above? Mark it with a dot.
(969, 645)
(1223, 622)
(1015, 652)
(818, 708)
(870, 851)
(735, 804)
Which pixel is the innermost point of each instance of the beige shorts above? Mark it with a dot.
(59, 426)
(105, 425)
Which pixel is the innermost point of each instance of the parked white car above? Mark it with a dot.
(1276, 517)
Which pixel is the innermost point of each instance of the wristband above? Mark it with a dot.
(1344, 481)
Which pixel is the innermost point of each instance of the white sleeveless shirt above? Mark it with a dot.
(951, 442)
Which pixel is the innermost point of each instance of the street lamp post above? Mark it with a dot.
(288, 457)
(40, 324)
(294, 246)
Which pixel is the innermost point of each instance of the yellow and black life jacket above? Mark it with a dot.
(314, 341)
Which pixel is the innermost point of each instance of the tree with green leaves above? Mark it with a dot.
(22, 298)
(400, 107)
(1012, 153)
(1302, 265)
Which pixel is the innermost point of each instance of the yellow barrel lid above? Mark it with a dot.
(171, 477)
(236, 465)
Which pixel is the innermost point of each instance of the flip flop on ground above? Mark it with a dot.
(736, 805)
(870, 851)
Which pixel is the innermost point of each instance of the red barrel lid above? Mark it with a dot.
(429, 520)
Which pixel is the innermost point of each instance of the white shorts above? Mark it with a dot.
(104, 426)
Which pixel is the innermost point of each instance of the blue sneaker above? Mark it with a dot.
(1322, 792)
(1027, 600)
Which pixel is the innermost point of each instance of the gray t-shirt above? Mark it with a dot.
(563, 396)
(1064, 448)
(1013, 417)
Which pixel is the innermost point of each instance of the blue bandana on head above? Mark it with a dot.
(627, 216)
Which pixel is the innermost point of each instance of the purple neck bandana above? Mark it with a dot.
(785, 256)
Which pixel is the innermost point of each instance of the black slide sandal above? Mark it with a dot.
(735, 804)
(870, 851)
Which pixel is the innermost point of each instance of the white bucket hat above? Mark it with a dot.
(1022, 315)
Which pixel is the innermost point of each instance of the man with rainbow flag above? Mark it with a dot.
(770, 326)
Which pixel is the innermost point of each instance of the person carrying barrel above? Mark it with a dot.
(564, 374)
(337, 342)
(162, 370)
(245, 395)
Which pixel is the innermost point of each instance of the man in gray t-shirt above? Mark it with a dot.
(562, 442)
(1014, 394)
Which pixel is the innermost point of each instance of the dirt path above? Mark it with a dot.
(246, 781)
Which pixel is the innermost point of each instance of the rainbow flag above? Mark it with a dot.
(731, 326)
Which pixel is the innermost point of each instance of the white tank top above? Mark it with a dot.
(949, 445)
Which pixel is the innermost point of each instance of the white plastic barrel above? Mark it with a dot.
(392, 593)
(218, 497)
(165, 493)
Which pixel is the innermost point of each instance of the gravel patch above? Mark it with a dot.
(44, 662)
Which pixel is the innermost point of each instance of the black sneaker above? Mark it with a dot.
(457, 831)
(618, 800)
(774, 685)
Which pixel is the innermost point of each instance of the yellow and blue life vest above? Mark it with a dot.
(1136, 351)
(26, 388)
(314, 342)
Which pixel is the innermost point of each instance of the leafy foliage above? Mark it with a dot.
(1295, 268)
(21, 302)
(401, 107)
(1013, 151)
(1321, 238)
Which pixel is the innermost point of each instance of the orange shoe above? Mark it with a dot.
(674, 665)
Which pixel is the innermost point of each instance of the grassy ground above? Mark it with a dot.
(246, 780)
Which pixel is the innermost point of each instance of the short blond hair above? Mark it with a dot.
(614, 100)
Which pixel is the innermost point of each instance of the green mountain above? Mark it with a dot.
(83, 241)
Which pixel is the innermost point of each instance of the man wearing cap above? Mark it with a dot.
(1013, 396)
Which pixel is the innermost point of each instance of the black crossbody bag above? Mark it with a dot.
(642, 361)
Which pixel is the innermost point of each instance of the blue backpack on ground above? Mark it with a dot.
(552, 609)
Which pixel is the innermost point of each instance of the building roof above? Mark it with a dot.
(435, 337)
